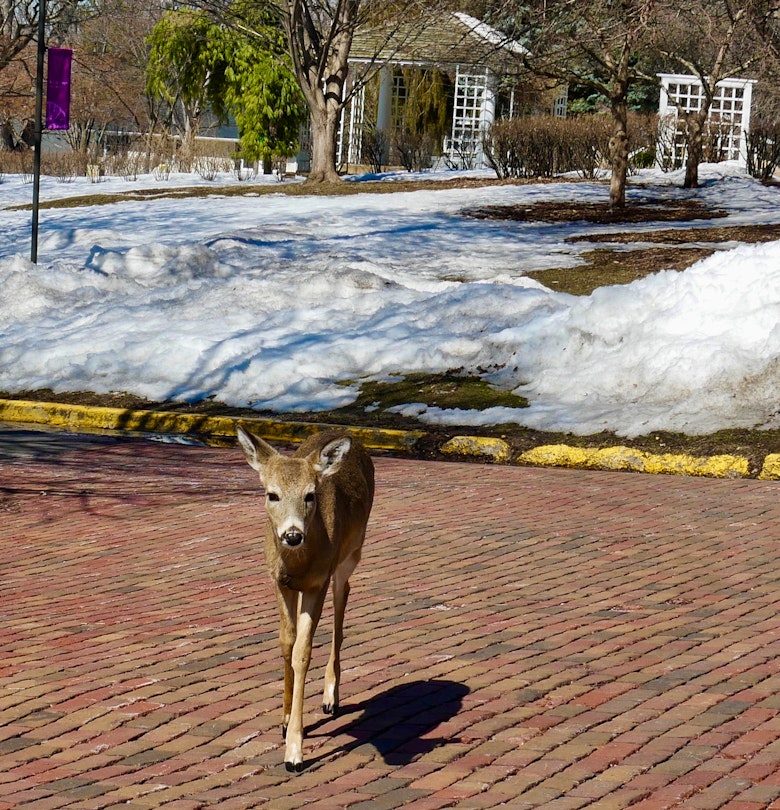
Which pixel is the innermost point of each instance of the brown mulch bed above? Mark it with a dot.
(599, 213)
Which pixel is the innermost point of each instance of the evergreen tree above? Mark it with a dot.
(196, 63)
(263, 97)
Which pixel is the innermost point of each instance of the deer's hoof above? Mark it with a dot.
(330, 708)
(293, 756)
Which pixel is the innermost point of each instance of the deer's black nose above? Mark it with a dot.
(292, 538)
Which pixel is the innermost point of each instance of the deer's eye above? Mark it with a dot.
(273, 497)
(308, 498)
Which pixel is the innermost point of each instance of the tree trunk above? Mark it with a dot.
(187, 147)
(324, 124)
(319, 49)
(618, 152)
(695, 143)
(8, 137)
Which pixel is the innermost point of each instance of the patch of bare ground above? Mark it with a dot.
(677, 249)
(250, 189)
(599, 213)
(673, 248)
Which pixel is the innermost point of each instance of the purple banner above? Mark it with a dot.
(58, 89)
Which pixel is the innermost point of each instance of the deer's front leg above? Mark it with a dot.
(308, 617)
(288, 619)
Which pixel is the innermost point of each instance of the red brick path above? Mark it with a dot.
(515, 637)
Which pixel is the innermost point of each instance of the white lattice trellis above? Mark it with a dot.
(728, 120)
(473, 112)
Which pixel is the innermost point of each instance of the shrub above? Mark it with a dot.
(763, 148)
(588, 143)
(65, 166)
(17, 162)
(543, 146)
(414, 149)
(374, 144)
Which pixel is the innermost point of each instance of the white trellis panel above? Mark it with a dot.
(473, 113)
(729, 116)
(348, 137)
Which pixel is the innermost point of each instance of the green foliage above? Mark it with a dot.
(583, 98)
(643, 97)
(185, 52)
(240, 73)
(265, 100)
(521, 22)
(425, 110)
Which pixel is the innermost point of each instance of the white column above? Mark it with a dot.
(487, 114)
(385, 106)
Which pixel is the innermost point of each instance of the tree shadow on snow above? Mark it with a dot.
(397, 722)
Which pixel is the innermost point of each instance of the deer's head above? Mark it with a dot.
(291, 483)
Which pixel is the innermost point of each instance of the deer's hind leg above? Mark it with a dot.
(340, 588)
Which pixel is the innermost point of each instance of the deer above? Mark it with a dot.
(317, 504)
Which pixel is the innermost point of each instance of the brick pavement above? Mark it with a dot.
(515, 637)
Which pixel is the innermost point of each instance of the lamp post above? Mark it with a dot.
(38, 129)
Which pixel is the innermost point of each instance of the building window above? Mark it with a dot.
(400, 99)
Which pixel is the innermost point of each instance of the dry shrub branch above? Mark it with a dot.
(545, 146)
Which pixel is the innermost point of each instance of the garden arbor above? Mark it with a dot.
(727, 123)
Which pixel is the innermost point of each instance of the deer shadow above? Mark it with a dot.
(397, 723)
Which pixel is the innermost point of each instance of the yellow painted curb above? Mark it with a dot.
(627, 458)
(215, 428)
(771, 469)
(81, 417)
(496, 449)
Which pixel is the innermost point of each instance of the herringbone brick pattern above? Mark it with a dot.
(515, 637)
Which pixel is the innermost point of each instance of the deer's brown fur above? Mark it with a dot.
(317, 505)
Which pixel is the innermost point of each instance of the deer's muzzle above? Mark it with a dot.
(292, 538)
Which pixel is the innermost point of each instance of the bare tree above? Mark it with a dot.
(712, 40)
(765, 16)
(595, 43)
(19, 23)
(319, 38)
(18, 34)
(109, 74)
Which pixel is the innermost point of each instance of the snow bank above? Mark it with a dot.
(288, 303)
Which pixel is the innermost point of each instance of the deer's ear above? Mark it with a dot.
(332, 455)
(256, 451)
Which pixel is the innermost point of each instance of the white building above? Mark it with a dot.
(483, 73)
